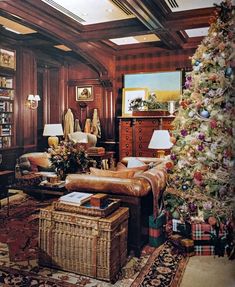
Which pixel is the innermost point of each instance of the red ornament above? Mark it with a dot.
(213, 124)
(183, 104)
(197, 175)
(169, 165)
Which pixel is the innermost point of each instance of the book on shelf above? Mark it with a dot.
(76, 198)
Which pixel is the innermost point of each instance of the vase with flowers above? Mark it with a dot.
(68, 157)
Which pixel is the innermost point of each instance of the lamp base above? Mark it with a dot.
(53, 141)
(160, 153)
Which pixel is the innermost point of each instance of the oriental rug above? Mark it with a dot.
(161, 266)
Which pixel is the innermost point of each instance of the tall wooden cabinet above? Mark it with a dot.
(135, 134)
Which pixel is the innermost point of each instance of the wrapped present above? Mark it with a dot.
(183, 228)
(208, 240)
(188, 245)
(204, 250)
(157, 230)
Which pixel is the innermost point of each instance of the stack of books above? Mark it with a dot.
(75, 198)
(95, 151)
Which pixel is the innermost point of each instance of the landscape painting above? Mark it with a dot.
(167, 86)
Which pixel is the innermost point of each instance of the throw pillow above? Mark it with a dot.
(40, 161)
(110, 173)
(134, 162)
(121, 166)
(24, 163)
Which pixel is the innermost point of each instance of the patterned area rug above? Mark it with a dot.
(19, 253)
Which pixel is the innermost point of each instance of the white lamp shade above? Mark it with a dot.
(160, 140)
(37, 98)
(53, 130)
(31, 97)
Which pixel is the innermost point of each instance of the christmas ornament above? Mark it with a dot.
(197, 175)
(173, 156)
(185, 187)
(192, 207)
(213, 124)
(204, 114)
(184, 133)
(228, 72)
(200, 147)
(201, 137)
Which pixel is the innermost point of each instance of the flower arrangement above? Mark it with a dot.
(68, 157)
(150, 104)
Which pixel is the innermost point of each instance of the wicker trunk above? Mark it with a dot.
(87, 245)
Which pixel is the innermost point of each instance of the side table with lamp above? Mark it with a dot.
(53, 131)
(160, 141)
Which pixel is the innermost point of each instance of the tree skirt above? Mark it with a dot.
(19, 253)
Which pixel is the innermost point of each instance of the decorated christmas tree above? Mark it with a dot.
(201, 180)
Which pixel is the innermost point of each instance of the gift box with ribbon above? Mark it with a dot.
(208, 240)
(157, 234)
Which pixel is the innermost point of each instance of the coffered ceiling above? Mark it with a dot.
(114, 25)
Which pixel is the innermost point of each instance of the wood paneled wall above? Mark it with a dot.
(151, 62)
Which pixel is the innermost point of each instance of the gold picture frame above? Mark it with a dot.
(7, 59)
(129, 94)
(84, 93)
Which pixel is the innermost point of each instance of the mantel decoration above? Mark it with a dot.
(150, 106)
(67, 158)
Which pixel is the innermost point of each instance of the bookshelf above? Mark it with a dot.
(7, 94)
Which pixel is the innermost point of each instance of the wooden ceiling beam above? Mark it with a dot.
(148, 13)
(47, 26)
(198, 18)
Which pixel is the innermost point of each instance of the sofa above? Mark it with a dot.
(40, 161)
(142, 194)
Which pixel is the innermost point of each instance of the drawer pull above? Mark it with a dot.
(127, 145)
(140, 137)
(140, 145)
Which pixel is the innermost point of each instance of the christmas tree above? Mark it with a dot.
(201, 180)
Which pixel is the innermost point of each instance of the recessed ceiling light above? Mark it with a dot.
(84, 14)
(12, 30)
(63, 47)
(110, 10)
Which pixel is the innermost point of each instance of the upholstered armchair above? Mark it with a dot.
(81, 137)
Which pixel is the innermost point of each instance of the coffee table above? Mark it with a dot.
(37, 189)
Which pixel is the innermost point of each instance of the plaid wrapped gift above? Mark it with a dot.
(202, 235)
(157, 230)
(204, 250)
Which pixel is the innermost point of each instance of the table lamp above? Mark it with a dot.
(160, 140)
(52, 131)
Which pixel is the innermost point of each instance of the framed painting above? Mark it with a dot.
(130, 94)
(7, 59)
(84, 93)
(167, 86)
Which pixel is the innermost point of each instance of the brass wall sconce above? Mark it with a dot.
(32, 101)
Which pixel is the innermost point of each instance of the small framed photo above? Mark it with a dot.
(7, 59)
(130, 94)
(84, 93)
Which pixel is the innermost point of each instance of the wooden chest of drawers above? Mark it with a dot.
(135, 134)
